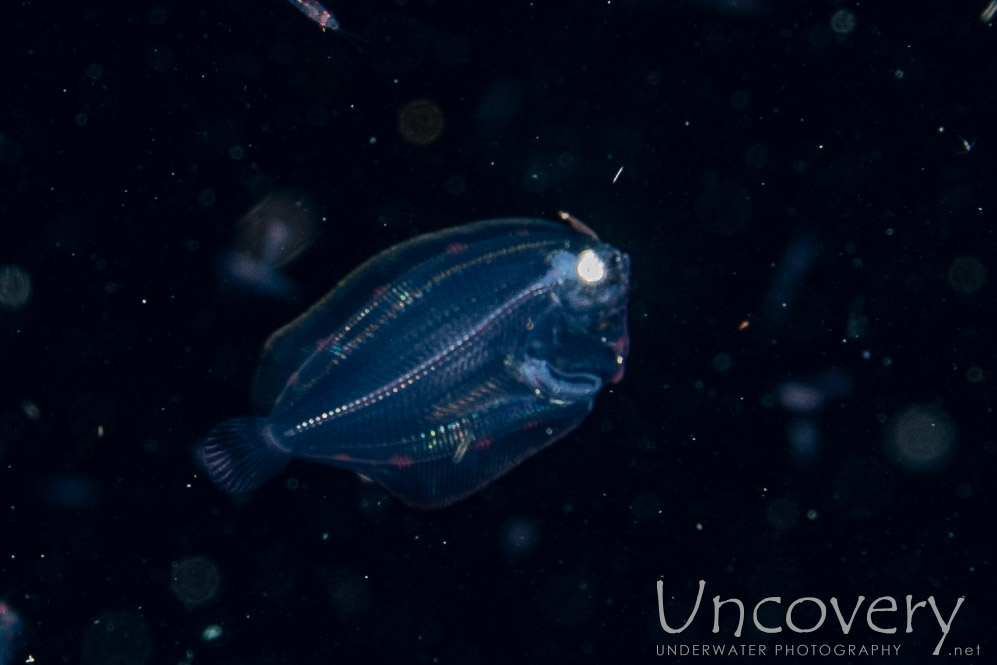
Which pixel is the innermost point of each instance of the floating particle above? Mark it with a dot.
(270, 236)
(813, 394)
(211, 633)
(15, 287)
(278, 229)
(31, 410)
(800, 397)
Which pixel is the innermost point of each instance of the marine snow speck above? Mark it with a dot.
(439, 364)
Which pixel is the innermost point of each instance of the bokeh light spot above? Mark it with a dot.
(842, 22)
(967, 274)
(974, 374)
(519, 536)
(420, 122)
(722, 362)
(195, 579)
(921, 439)
(15, 288)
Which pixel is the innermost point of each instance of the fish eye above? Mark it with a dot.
(589, 267)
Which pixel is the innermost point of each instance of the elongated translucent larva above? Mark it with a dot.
(317, 12)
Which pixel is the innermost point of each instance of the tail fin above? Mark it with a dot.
(240, 455)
